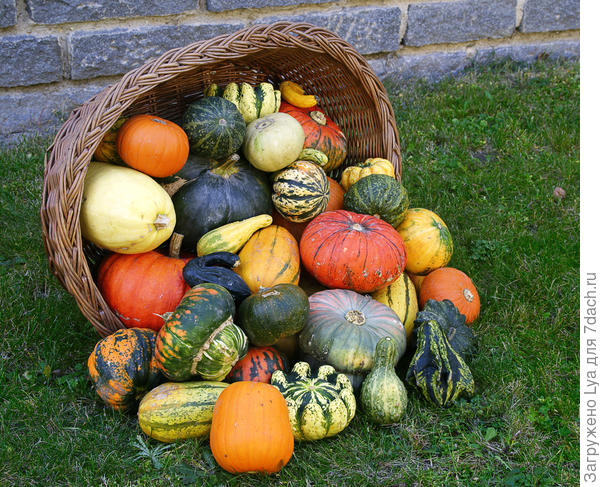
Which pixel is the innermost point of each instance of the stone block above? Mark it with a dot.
(565, 49)
(547, 15)
(8, 13)
(29, 60)
(431, 66)
(222, 5)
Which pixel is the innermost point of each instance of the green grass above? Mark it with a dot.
(484, 152)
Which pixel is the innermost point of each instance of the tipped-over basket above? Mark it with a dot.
(349, 92)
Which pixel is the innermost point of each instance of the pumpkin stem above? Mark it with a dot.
(165, 316)
(355, 317)
(175, 245)
(198, 358)
(318, 117)
(162, 221)
(227, 167)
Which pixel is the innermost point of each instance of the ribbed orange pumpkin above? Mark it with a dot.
(347, 250)
(153, 145)
(251, 429)
(270, 257)
(141, 287)
(455, 285)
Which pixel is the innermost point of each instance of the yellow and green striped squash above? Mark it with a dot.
(401, 296)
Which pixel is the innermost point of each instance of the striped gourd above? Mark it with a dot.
(214, 126)
(319, 405)
(436, 369)
(200, 339)
(253, 102)
(379, 195)
(233, 236)
(300, 191)
(178, 411)
(401, 296)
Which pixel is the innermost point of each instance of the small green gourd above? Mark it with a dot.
(383, 395)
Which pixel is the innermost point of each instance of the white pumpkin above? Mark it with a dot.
(273, 142)
(124, 210)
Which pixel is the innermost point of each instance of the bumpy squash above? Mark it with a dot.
(427, 240)
(300, 191)
(179, 410)
(374, 165)
(258, 365)
(270, 257)
(273, 142)
(122, 367)
(379, 195)
(320, 405)
(252, 102)
(233, 236)
(124, 210)
(273, 313)
(383, 395)
(401, 297)
(315, 156)
(200, 338)
(436, 370)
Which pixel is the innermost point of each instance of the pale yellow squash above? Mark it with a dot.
(124, 210)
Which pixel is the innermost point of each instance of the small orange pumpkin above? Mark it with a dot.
(251, 429)
(153, 145)
(455, 285)
(258, 365)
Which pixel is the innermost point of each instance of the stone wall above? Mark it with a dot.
(55, 54)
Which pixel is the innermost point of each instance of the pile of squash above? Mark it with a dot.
(263, 300)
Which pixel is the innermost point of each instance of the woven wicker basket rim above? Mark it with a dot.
(68, 157)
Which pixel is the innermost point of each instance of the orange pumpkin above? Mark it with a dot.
(140, 288)
(452, 284)
(251, 429)
(153, 145)
(257, 365)
(270, 257)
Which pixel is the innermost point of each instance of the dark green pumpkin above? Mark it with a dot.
(220, 193)
(378, 195)
(273, 313)
(200, 339)
(122, 367)
(436, 370)
(214, 126)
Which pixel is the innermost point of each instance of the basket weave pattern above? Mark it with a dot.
(349, 92)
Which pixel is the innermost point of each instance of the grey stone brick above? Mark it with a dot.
(431, 66)
(29, 60)
(8, 13)
(111, 52)
(547, 15)
(221, 5)
(40, 112)
(368, 29)
(59, 11)
(467, 20)
(565, 49)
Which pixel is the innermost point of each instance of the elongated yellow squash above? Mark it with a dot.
(179, 410)
(124, 210)
(233, 236)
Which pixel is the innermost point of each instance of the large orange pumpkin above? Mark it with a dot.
(347, 250)
(270, 257)
(153, 145)
(321, 133)
(455, 285)
(251, 429)
(141, 287)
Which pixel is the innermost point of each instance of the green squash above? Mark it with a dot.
(200, 339)
(220, 193)
(179, 410)
(383, 395)
(436, 370)
(378, 195)
(214, 126)
(319, 405)
(452, 322)
(273, 313)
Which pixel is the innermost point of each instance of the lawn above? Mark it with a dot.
(485, 152)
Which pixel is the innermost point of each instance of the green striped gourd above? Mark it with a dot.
(319, 405)
(179, 410)
(401, 296)
(233, 236)
(200, 339)
(214, 126)
(301, 191)
(378, 195)
(383, 395)
(436, 369)
(315, 156)
(252, 102)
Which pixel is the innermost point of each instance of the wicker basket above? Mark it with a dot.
(349, 92)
